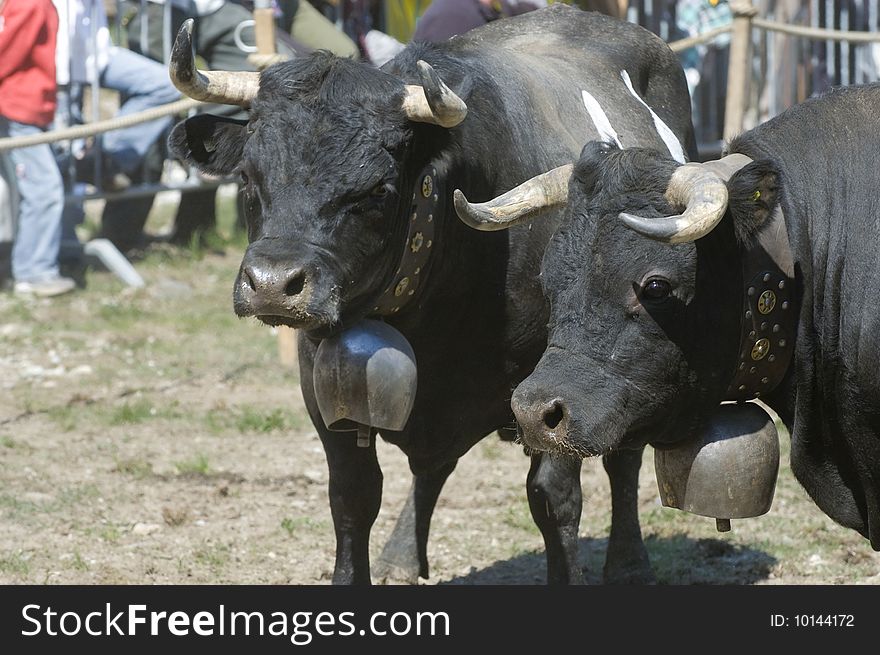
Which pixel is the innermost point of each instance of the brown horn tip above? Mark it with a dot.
(703, 194)
(477, 216)
(433, 101)
(447, 107)
(519, 205)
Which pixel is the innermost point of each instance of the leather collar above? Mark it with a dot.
(427, 203)
(769, 315)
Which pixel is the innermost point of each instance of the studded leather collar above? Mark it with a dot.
(769, 315)
(427, 203)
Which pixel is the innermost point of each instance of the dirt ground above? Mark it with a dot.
(149, 436)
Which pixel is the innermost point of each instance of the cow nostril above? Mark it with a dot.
(553, 416)
(249, 278)
(295, 284)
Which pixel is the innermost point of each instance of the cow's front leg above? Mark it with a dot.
(405, 555)
(355, 496)
(626, 561)
(554, 491)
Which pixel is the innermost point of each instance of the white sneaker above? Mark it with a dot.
(45, 288)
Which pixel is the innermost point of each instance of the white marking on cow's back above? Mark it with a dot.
(600, 120)
(669, 138)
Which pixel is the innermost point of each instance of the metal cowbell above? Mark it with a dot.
(365, 376)
(728, 472)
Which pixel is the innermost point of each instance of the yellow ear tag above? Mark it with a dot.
(756, 196)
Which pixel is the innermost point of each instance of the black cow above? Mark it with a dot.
(331, 160)
(646, 333)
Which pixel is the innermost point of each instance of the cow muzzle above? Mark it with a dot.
(543, 420)
(280, 292)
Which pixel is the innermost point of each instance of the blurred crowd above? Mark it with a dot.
(52, 51)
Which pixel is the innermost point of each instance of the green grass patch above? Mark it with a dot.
(78, 563)
(121, 316)
(129, 413)
(519, 516)
(214, 556)
(65, 417)
(138, 411)
(110, 533)
(197, 465)
(291, 525)
(16, 563)
(251, 419)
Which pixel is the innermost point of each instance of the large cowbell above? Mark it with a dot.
(729, 472)
(365, 377)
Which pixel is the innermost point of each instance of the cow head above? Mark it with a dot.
(645, 307)
(323, 164)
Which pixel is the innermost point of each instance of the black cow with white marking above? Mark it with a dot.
(675, 287)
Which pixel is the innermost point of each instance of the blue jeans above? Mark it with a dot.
(38, 238)
(142, 83)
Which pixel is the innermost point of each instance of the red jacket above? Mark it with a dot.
(28, 90)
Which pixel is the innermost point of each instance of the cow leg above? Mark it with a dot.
(405, 555)
(355, 496)
(626, 561)
(554, 490)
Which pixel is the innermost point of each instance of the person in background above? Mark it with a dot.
(88, 57)
(221, 28)
(312, 29)
(446, 18)
(28, 98)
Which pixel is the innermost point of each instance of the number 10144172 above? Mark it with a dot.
(812, 621)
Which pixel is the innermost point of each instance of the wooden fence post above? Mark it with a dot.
(738, 67)
(264, 27)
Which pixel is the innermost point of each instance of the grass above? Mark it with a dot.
(136, 467)
(78, 563)
(16, 564)
(110, 533)
(66, 417)
(213, 556)
(251, 420)
(517, 515)
(291, 526)
(130, 413)
(197, 465)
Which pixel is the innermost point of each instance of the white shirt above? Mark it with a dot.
(83, 46)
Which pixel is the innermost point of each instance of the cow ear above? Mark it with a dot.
(213, 144)
(753, 193)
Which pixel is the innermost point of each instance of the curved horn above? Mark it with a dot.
(222, 87)
(703, 194)
(519, 205)
(433, 101)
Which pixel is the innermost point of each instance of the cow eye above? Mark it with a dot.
(379, 191)
(244, 178)
(657, 289)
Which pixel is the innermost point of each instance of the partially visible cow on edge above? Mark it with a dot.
(331, 160)
(645, 335)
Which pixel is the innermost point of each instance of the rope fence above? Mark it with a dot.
(98, 127)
